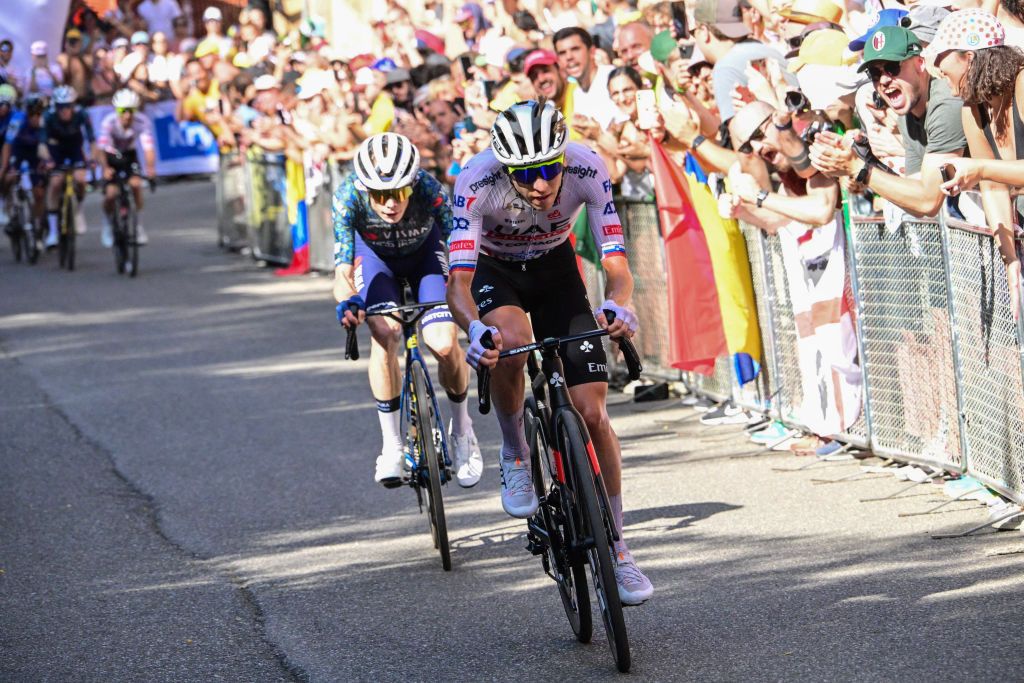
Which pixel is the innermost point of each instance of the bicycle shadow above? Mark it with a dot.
(675, 517)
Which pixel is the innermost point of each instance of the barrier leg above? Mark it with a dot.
(991, 522)
(896, 494)
(938, 507)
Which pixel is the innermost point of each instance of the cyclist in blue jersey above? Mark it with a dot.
(67, 129)
(391, 222)
(25, 144)
(8, 96)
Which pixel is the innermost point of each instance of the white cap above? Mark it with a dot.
(366, 76)
(314, 83)
(119, 42)
(38, 48)
(265, 82)
(212, 14)
(140, 38)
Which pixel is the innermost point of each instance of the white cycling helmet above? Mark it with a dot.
(529, 133)
(387, 161)
(125, 99)
(64, 94)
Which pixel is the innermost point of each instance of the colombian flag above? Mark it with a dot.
(295, 204)
(711, 296)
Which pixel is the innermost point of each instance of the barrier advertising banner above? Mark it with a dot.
(181, 147)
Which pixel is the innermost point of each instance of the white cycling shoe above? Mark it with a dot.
(634, 587)
(469, 464)
(141, 238)
(390, 472)
(517, 494)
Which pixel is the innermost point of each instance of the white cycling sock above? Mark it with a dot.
(513, 436)
(616, 503)
(390, 424)
(51, 218)
(461, 422)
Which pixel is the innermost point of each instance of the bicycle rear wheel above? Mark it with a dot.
(29, 234)
(14, 231)
(428, 426)
(592, 523)
(568, 572)
(120, 228)
(133, 242)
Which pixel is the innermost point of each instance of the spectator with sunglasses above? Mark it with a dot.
(757, 132)
(514, 207)
(391, 220)
(929, 122)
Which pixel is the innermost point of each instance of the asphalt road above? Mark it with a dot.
(186, 494)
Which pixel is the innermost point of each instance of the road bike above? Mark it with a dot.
(424, 441)
(573, 527)
(124, 222)
(66, 218)
(23, 226)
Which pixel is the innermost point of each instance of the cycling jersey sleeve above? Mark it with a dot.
(86, 124)
(144, 127)
(603, 218)
(467, 221)
(342, 213)
(105, 140)
(14, 127)
(440, 208)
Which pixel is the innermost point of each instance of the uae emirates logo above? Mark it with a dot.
(878, 41)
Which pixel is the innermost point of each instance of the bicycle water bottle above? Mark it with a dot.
(26, 180)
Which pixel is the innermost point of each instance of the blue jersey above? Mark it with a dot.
(23, 138)
(428, 209)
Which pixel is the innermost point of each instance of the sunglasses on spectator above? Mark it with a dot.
(126, 110)
(546, 170)
(891, 68)
(399, 194)
(748, 146)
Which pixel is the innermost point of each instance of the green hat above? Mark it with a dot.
(662, 46)
(890, 44)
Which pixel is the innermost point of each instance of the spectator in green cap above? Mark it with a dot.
(674, 72)
(929, 121)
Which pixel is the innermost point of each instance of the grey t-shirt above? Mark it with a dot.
(940, 132)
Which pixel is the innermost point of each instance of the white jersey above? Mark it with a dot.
(489, 215)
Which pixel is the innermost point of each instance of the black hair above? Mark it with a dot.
(629, 72)
(570, 31)
(525, 21)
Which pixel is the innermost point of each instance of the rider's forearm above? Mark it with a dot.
(618, 280)
(5, 157)
(460, 298)
(343, 286)
(150, 162)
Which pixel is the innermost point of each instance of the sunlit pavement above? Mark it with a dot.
(186, 494)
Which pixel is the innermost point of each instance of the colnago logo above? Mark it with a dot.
(485, 181)
(583, 172)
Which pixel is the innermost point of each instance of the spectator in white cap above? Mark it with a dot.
(139, 55)
(213, 22)
(969, 50)
(159, 15)
(43, 76)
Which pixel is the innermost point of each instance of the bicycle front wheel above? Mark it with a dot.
(592, 523)
(120, 228)
(133, 242)
(29, 234)
(428, 427)
(568, 572)
(66, 242)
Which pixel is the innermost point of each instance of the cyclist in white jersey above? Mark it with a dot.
(514, 207)
(121, 132)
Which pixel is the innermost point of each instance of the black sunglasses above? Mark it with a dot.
(748, 146)
(875, 71)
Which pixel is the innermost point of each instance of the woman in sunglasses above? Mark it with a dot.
(391, 220)
(514, 208)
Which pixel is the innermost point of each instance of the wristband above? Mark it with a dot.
(761, 196)
(697, 142)
(864, 176)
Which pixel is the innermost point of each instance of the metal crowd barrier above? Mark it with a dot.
(232, 225)
(991, 374)
(269, 232)
(321, 181)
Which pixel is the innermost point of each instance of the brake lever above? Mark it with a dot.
(483, 374)
(351, 342)
(629, 353)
